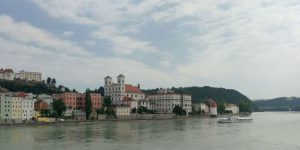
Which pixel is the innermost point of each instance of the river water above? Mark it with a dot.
(268, 131)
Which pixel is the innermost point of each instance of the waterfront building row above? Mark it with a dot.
(123, 94)
(76, 101)
(16, 106)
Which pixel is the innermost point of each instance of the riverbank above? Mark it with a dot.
(66, 122)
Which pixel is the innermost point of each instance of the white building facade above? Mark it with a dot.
(232, 108)
(29, 76)
(121, 92)
(27, 109)
(164, 102)
(5, 102)
(7, 74)
(16, 106)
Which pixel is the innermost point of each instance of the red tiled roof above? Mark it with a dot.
(127, 99)
(9, 70)
(212, 103)
(132, 89)
(22, 94)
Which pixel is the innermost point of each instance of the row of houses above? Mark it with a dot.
(9, 74)
(26, 106)
(125, 97)
(128, 96)
(211, 108)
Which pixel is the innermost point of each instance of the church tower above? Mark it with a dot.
(121, 79)
(107, 80)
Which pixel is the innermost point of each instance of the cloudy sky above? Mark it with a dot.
(251, 46)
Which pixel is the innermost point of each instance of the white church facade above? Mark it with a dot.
(122, 93)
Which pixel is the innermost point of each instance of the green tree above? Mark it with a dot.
(53, 81)
(133, 110)
(245, 107)
(88, 104)
(100, 111)
(59, 107)
(107, 101)
(221, 108)
(48, 80)
(45, 113)
(179, 111)
(142, 110)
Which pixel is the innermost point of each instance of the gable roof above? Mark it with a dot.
(9, 70)
(132, 89)
(22, 94)
(128, 99)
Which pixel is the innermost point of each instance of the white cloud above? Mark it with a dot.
(107, 16)
(90, 43)
(25, 33)
(256, 51)
(252, 46)
(165, 63)
(124, 44)
(77, 71)
(67, 33)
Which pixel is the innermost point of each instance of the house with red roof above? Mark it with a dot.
(121, 92)
(7, 74)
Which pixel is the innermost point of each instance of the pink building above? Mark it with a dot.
(70, 99)
(77, 100)
(95, 98)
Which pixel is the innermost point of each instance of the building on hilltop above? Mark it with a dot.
(29, 76)
(7, 74)
(122, 93)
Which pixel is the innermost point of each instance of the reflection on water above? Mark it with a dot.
(268, 131)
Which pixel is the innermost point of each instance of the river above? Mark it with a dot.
(268, 131)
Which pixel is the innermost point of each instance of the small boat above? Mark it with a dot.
(234, 119)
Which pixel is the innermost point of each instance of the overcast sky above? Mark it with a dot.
(252, 46)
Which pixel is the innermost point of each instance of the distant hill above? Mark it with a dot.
(28, 87)
(279, 104)
(201, 94)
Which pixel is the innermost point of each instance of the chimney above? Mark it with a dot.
(139, 86)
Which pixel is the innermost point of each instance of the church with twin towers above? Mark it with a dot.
(122, 93)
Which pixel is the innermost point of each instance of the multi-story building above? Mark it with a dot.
(76, 101)
(202, 108)
(16, 106)
(46, 98)
(120, 92)
(95, 98)
(213, 110)
(27, 106)
(40, 105)
(166, 100)
(70, 99)
(122, 110)
(5, 102)
(29, 76)
(7, 74)
(232, 108)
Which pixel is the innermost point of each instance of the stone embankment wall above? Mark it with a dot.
(146, 117)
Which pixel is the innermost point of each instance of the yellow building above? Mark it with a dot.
(16, 107)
